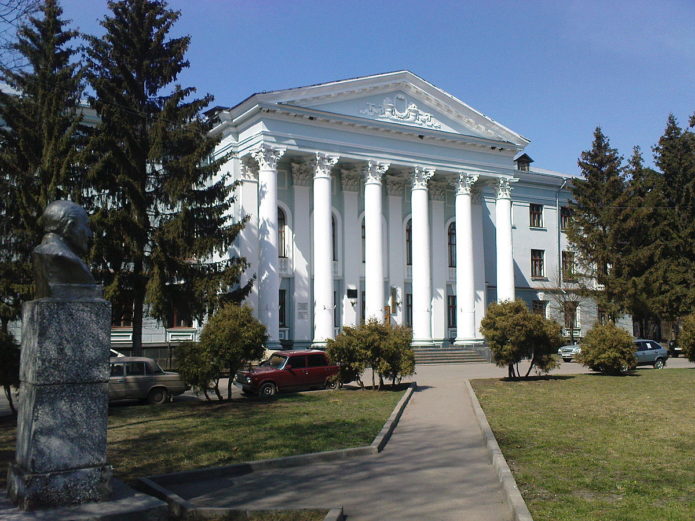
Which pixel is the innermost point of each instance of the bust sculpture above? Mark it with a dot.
(57, 260)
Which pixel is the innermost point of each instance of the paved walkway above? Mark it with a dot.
(434, 468)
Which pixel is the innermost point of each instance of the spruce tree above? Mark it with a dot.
(596, 196)
(39, 143)
(163, 212)
(674, 267)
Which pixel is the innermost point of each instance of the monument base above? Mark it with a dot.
(31, 490)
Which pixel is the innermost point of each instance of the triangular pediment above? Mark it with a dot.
(400, 98)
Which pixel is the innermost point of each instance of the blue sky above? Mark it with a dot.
(550, 70)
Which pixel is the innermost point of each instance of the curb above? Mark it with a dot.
(181, 508)
(509, 487)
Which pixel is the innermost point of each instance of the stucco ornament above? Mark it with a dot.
(374, 171)
(408, 112)
(57, 260)
(504, 187)
(420, 176)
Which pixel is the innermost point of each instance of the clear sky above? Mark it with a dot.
(552, 70)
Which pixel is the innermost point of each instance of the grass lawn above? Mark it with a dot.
(593, 447)
(147, 439)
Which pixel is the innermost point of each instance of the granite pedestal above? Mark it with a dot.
(63, 405)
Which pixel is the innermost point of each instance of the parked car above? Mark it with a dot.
(288, 371)
(569, 352)
(649, 352)
(674, 349)
(139, 378)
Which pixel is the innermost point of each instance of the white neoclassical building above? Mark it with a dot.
(385, 197)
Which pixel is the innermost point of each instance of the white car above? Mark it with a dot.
(570, 352)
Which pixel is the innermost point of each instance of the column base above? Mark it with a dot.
(425, 342)
(468, 342)
(319, 344)
(34, 490)
(273, 345)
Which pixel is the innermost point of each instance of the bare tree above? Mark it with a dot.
(12, 14)
(565, 292)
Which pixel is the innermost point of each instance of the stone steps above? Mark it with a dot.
(446, 355)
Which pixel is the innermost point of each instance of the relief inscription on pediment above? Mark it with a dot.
(399, 110)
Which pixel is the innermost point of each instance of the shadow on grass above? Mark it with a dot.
(543, 378)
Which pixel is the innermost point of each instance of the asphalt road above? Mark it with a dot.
(471, 371)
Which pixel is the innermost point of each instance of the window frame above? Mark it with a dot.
(538, 264)
(451, 243)
(535, 212)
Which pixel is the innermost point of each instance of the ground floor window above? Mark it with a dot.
(540, 307)
(282, 308)
(409, 309)
(451, 310)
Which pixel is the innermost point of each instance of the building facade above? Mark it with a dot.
(385, 197)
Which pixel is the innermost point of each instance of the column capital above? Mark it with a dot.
(374, 171)
(464, 183)
(247, 171)
(268, 156)
(420, 176)
(323, 163)
(301, 174)
(504, 187)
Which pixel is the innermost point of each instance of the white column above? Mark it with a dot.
(422, 288)
(302, 175)
(374, 250)
(248, 237)
(465, 272)
(323, 255)
(268, 275)
(505, 252)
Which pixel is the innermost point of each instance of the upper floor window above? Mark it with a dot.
(537, 263)
(536, 215)
(565, 216)
(409, 243)
(451, 233)
(568, 272)
(179, 317)
(570, 311)
(282, 230)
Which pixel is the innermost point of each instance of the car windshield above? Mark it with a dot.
(276, 361)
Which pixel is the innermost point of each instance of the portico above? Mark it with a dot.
(356, 181)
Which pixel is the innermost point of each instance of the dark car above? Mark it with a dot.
(649, 352)
(139, 378)
(674, 349)
(288, 371)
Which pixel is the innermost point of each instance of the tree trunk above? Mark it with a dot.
(229, 383)
(8, 393)
(138, 307)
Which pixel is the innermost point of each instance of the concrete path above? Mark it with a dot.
(434, 468)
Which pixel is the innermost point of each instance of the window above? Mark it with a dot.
(451, 310)
(565, 216)
(117, 370)
(409, 309)
(364, 235)
(570, 311)
(179, 317)
(536, 215)
(336, 310)
(122, 314)
(539, 307)
(452, 245)
(537, 264)
(363, 308)
(334, 238)
(409, 243)
(282, 308)
(297, 361)
(135, 368)
(568, 266)
(316, 361)
(602, 316)
(282, 227)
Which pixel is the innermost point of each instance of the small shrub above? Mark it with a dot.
(608, 349)
(686, 338)
(514, 333)
(198, 368)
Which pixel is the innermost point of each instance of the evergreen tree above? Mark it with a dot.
(39, 143)
(594, 211)
(674, 266)
(163, 207)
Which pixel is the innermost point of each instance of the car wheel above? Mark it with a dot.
(267, 390)
(567, 359)
(331, 383)
(157, 396)
(659, 363)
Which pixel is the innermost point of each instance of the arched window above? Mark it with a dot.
(334, 238)
(452, 244)
(409, 243)
(282, 227)
(364, 235)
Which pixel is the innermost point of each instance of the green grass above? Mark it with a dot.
(145, 440)
(592, 447)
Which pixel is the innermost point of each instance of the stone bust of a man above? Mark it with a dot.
(57, 260)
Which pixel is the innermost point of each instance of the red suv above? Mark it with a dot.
(288, 371)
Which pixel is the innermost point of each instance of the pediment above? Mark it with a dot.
(400, 98)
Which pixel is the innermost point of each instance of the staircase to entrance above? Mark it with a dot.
(446, 355)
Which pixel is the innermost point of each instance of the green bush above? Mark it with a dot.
(686, 337)
(9, 366)
(231, 338)
(608, 349)
(383, 348)
(513, 333)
